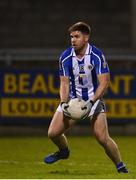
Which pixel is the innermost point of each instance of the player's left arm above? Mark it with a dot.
(103, 77)
(104, 80)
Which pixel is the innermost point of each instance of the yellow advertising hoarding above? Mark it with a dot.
(35, 93)
(28, 107)
(121, 108)
(37, 107)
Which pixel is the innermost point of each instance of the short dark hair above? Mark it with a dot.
(80, 26)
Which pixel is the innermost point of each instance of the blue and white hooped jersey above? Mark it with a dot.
(83, 72)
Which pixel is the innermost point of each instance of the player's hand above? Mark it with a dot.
(64, 107)
(89, 104)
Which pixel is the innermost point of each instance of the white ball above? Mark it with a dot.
(75, 109)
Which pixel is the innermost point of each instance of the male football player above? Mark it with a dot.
(84, 74)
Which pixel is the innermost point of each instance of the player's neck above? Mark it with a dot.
(81, 52)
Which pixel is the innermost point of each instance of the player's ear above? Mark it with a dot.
(86, 38)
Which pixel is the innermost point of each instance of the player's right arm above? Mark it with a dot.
(64, 88)
(64, 94)
(64, 82)
(64, 72)
(103, 77)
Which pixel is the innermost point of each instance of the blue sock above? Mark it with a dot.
(64, 151)
(121, 167)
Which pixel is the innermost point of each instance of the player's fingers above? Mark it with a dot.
(84, 107)
(67, 114)
(66, 107)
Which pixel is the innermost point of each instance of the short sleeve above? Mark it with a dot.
(101, 66)
(64, 67)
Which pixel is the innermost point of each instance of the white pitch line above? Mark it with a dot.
(18, 162)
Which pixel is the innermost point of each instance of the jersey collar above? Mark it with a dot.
(87, 52)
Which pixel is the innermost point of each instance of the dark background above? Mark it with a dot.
(34, 33)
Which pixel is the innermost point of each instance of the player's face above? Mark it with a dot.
(78, 40)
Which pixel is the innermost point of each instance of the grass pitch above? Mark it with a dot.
(22, 157)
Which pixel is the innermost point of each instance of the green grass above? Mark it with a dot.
(22, 157)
